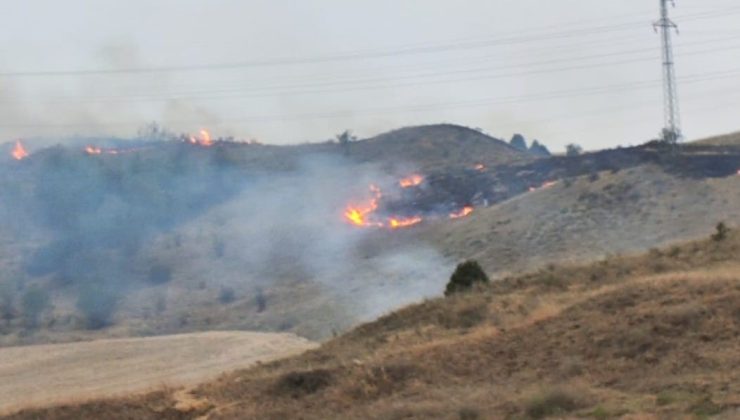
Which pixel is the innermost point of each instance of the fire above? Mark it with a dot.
(480, 167)
(412, 181)
(92, 150)
(546, 185)
(402, 223)
(358, 215)
(362, 215)
(466, 211)
(19, 152)
(205, 138)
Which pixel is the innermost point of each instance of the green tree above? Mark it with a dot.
(345, 139)
(466, 275)
(97, 303)
(573, 150)
(539, 149)
(721, 232)
(518, 142)
(34, 302)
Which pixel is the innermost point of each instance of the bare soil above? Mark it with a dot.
(44, 374)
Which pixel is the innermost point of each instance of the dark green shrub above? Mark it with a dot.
(98, 304)
(160, 274)
(466, 275)
(260, 300)
(721, 232)
(226, 295)
(553, 403)
(34, 302)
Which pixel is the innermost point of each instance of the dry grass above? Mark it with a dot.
(648, 336)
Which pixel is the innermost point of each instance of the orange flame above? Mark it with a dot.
(480, 167)
(205, 138)
(466, 211)
(361, 215)
(19, 152)
(402, 223)
(412, 181)
(358, 215)
(92, 150)
(546, 185)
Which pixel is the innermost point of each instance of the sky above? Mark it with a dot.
(565, 71)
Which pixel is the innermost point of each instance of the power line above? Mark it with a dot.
(454, 46)
(438, 106)
(377, 83)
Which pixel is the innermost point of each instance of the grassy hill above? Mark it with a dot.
(732, 139)
(249, 237)
(590, 217)
(644, 336)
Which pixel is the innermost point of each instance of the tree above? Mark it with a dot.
(34, 302)
(539, 149)
(97, 303)
(466, 275)
(721, 232)
(7, 303)
(345, 139)
(573, 150)
(518, 142)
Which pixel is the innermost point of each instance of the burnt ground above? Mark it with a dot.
(453, 188)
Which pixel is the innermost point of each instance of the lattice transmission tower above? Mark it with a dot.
(671, 132)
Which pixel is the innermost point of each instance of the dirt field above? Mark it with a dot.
(39, 375)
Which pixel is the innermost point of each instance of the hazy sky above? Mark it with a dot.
(560, 71)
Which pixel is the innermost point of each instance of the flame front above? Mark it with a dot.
(358, 215)
(205, 138)
(394, 223)
(92, 150)
(466, 211)
(544, 186)
(19, 152)
(362, 215)
(412, 181)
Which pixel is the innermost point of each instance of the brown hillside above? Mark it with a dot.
(434, 147)
(732, 139)
(590, 217)
(650, 336)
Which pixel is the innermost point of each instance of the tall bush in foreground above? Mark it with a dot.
(466, 275)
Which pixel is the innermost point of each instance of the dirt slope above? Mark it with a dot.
(651, 336)
(45, 374)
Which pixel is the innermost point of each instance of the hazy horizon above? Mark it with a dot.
(293, 73)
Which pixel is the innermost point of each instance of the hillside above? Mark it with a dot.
(590, 217)
(175, 237)
(437, 147)
(645, 336)
(732, 139)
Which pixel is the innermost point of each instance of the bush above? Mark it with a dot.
(721, 232)
(573, 150)
(466, 275)
(160, 274)
(553, 403)
(97, 303)
(226, 295)
(7, 303)
(260, 300)
(34, 302)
